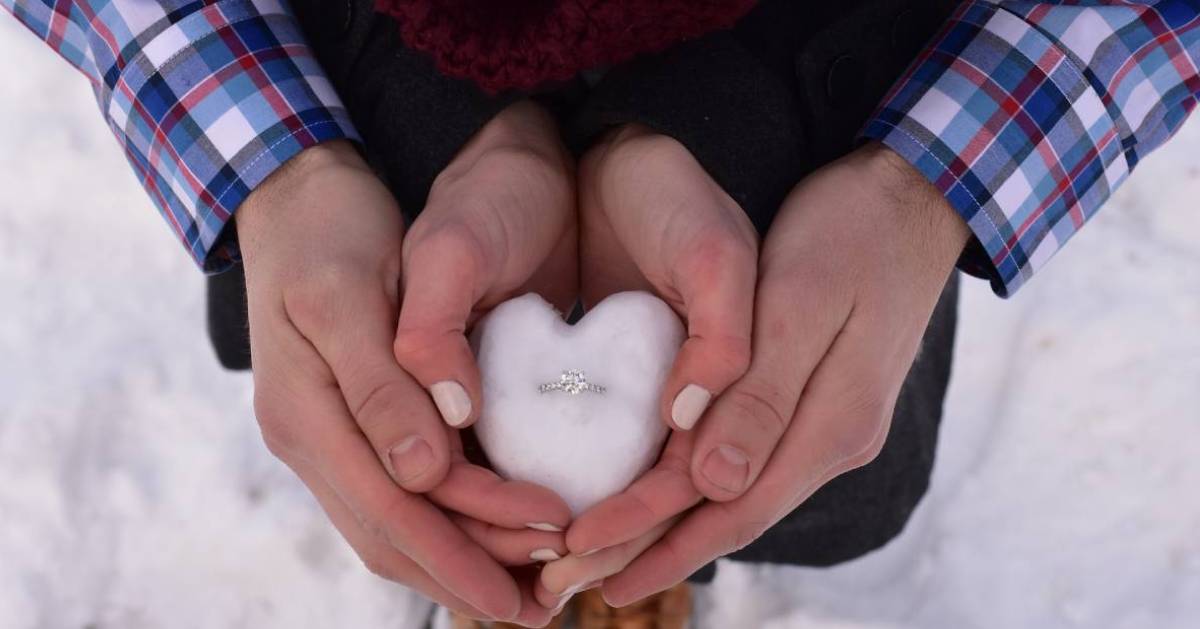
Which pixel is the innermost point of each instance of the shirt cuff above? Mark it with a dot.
(211, 105)
(1004, 123)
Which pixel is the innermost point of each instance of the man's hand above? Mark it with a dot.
(322, 246)
(849, 276)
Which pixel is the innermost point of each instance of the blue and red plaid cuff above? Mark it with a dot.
(1027, 115)
(207, 98)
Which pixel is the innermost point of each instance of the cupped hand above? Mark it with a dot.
(652, 219)
(500, 221)
(849, 276)
(322, 246)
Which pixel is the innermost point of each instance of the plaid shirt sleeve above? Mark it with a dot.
(207, 98)
(1027, 115)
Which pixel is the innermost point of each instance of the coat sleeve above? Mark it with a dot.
(207, 98)
(1028, 115)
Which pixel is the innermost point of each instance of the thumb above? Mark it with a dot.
(443, 272)
(492, 218)
(715, 277)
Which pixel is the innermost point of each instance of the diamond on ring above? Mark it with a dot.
(571, 382)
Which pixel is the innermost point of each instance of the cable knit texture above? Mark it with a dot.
(521, 44)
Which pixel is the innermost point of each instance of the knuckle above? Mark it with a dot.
(742, 532)
(720, 250)
(761, 405)
(868, 454)
(372, 526)
(379, 525)
(448, 243)
(734, 354)
(858, 436)
(381, 568)
(675, 463)
(415, 346)
(278, 449)
(313, 302)
(380, 405)
(678, 555)
(279, 432)
(745, 535)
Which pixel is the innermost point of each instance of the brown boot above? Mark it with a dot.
(462, 622)
(666, 610)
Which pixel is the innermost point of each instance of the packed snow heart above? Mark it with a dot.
(574, 408)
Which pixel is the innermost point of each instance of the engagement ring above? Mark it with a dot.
(571, 382)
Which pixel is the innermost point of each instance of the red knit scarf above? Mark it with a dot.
(520, 44)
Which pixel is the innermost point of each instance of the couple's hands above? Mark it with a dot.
(847, 280)
(338, 384)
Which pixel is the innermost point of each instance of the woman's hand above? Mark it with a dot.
(500, 221)
(850, 274)
(322, 246)
(652, 219)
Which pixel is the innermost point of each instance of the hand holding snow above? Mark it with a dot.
(585, 445)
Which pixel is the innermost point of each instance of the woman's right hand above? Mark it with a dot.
(321, 239)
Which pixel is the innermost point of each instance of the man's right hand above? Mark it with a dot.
(321, 239)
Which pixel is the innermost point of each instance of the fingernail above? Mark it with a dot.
(727, 468)
(452, 401)
(544, 526)
(410, 458)
(544, 554)
(591, 552)
(573, 590)
(689, 405)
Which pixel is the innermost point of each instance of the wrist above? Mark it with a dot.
(921, 204)
(298, 178)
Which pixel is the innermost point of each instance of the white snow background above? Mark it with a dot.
(135, 492)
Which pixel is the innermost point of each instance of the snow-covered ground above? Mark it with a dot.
(134, 491)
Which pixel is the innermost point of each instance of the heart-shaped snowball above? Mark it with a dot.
(575, 407)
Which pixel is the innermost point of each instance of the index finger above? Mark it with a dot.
(715, 278)
(480, 493)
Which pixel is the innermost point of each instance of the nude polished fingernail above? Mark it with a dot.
(410, 458)
(727, 467)
(573, 590)
(544, 526)
(452, 401)
(689, 405)
(545, 554)
(562, 602)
